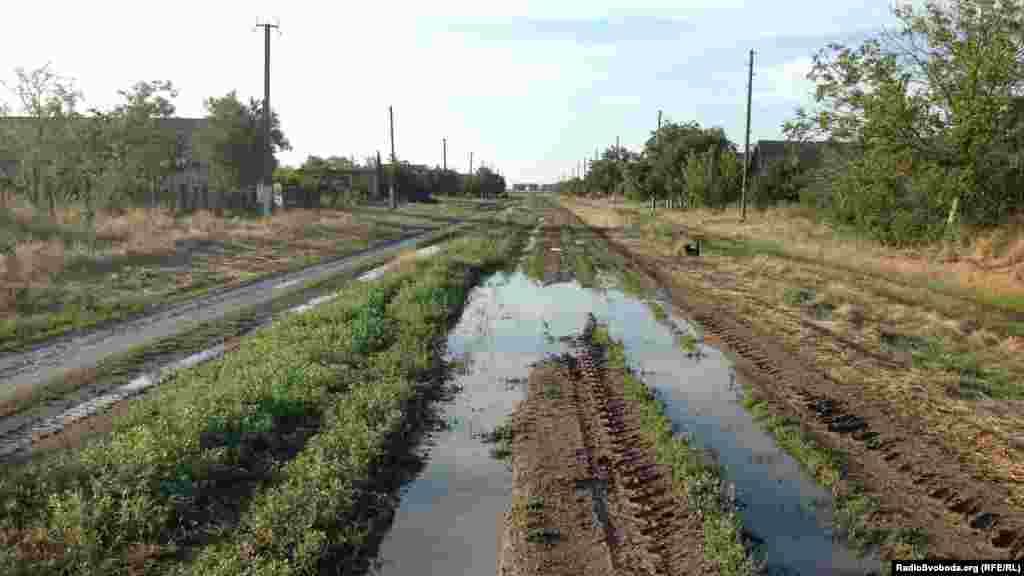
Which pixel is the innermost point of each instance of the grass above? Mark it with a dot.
(501, 437)
(546, 536)
(334, 372)
(700, 482)
(63, 275)
(119, 369)
(987, 267)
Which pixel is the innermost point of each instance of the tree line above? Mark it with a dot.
(411, 182)
(923, 124)
(55, 151)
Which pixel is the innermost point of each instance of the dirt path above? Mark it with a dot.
(29, 369)
(587, 496)
(919, 482)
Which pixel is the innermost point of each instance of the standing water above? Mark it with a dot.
(449, 517)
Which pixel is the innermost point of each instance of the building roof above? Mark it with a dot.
(770, 150)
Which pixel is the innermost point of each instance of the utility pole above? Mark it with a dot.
(746, 151)
(380, 177)
(444, 147)
(266, 186)
(394, 160)
(657, 140)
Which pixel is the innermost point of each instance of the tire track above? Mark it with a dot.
(908, 471)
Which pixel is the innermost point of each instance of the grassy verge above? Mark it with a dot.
(256, 461)
(80, 297)
(701, 483)
(121, 368)
(852, 504)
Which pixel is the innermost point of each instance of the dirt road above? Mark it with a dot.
(48, 361)
(917, 483)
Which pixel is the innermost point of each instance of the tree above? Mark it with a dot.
(941, 95)
(146, 150)
(48, 102)
(232, 141)
(668, 152)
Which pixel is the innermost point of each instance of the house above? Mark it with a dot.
(524, 187)
(764, 153)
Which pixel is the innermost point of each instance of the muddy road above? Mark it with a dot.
(925, 499)
(546, 465)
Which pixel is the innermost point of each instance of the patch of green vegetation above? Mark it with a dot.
(552, 391)
(823, 464)
(658, 311)
(824, 310)
(534, 268)
(798, 296)
(975, 380)
(702, 483)
(535, 504)
(546, 536)
(94, 504)
(688, 342)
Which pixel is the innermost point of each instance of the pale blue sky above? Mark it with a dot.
(530, 87)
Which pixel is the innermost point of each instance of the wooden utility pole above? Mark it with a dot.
(746, 147)
(444, 153)
(267, 187)
(394, 161)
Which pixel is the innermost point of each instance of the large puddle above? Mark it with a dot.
(449, 517)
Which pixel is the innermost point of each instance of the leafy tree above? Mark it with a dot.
(232, 141)
(668, 152)
(38, 140)
(146, 151)
(941, 95)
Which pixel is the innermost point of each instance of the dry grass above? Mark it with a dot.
(144, 231)
(991, 261)
(862, 309)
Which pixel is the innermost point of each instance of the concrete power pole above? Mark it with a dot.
(444, 153)
(266, 185)
(746, 147)
(394, 160)
(380, 177)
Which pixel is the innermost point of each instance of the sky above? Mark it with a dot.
(530, 88)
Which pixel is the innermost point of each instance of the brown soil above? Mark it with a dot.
(919, 480)
(587, 495)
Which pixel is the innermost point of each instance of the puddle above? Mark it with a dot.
(449, 517)
(780, 503)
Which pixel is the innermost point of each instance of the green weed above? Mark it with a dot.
(702, 483)
(798, 296)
